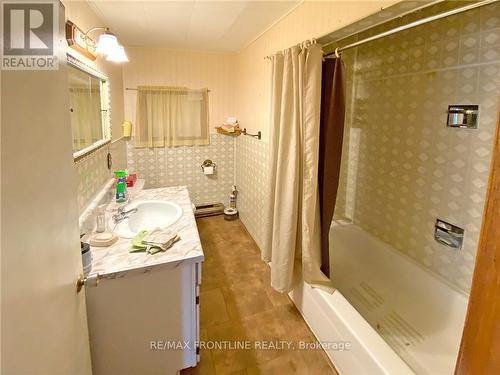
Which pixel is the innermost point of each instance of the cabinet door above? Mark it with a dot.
(138, 322)
(197, 299)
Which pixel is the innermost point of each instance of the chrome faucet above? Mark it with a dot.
(123, 214)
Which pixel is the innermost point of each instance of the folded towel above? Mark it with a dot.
(228, 128)
(156, 248)
(231, 121)
(159, 236)
(154, 241)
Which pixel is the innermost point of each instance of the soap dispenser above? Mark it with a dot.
(121, 186)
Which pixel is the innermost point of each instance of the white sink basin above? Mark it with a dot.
(149, 215)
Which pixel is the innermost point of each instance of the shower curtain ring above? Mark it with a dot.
(337, 55)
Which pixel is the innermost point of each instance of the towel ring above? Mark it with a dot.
(337, 55)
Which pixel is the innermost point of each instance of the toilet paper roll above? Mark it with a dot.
(208, 170)
(127, 128)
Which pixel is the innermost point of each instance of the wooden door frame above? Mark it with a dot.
(480, 347)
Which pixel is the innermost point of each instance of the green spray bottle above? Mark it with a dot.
(121, 186)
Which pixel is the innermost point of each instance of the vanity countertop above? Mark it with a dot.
(116, 260)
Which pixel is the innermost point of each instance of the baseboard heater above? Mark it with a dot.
(213, 209)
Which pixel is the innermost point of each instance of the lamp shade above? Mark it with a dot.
(106, 44)
(117, 55)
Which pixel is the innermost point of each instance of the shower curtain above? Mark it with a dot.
(294, 226)
(330, 148)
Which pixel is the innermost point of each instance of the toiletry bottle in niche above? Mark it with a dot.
(121, 186)
(232, 197)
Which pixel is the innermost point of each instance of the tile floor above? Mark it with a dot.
(238, 305)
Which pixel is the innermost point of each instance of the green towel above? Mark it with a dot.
(137, 244)
(140, 244)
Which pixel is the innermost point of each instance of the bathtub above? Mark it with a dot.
(402, 304)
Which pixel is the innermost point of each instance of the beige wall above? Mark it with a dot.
(92, 170)
(41, 314)
(446, 178)
(181, 165)
(239, 83)
(80, 13)
(157, 66)
(312, 19)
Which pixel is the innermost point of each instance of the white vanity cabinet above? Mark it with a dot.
(143, 315)
(145, 321)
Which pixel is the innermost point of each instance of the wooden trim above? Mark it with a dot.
(480, 347)
(75, 38)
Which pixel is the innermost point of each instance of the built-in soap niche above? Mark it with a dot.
(448, 234)
(463, 116)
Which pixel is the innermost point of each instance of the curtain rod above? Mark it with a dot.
(408, 26)
(387, 20)
(136, 89)
(305, 42)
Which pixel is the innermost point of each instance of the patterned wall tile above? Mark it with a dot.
(118, 150)
(252, 167)
(402, 167)
(92, 173)
(172, 166)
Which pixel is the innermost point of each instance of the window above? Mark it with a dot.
(171, 116)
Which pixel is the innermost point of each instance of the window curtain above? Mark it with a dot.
(330, 148)
(86, 117)
(171, 116)
(294, 229)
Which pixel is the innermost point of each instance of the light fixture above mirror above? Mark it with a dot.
(107, 44)
(117, 54)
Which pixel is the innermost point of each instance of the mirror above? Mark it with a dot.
(89, 107)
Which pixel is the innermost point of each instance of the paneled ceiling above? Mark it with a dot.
(193, 25)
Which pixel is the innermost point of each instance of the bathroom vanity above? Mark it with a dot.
(143, 315)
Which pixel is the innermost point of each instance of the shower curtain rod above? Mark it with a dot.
(407, 26)
(311, 41)
(136, 89)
